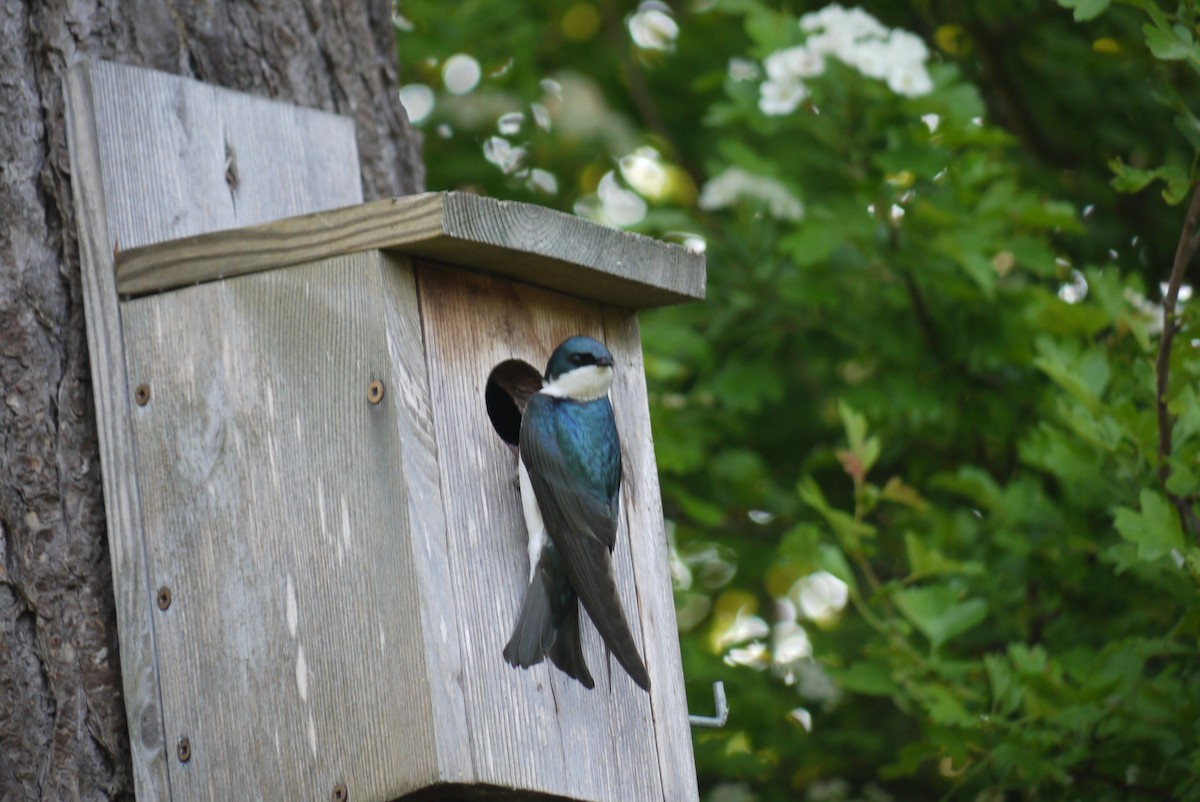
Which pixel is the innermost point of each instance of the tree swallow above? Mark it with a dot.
(570, 475)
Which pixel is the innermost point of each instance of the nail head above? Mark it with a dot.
(375, 391)
(164, 597)
(184, 750)
(142, 395)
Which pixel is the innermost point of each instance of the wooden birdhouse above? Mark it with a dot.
(306, 405)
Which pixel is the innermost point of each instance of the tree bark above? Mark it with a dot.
(62, 718)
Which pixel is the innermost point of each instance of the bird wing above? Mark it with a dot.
(574, 460)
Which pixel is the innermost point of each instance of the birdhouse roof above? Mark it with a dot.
(517, 240)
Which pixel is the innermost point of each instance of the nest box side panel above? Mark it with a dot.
(426, 519)
(651, 560)
(536, 729)
(277, 528)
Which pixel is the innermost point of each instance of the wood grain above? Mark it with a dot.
(110, 389)
(182, 158)
(528, 243)
(439, 614)
(643, 512)
(276, 506)
(150, 158)
(537, 728)
(344, 575)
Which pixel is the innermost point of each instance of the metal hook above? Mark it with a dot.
(718, 721)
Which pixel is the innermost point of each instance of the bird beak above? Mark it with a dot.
(604, 362)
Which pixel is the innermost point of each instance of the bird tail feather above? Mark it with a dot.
(545, 628)
(597, 589)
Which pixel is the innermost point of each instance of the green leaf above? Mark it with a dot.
(897, 492)
(830, 558)
(1086, 9)
(700, 510)
(945, 707)
(812, 242)
(1154, 529)
(1183, 481)
(871, 679)
(850, 532)
(1131, 179)
(854, 423)
(1005, 686)
(1170, 43)
(926, 561)
(1189, 126)
(744, 386)
(939, 613)
(1083, 373)
(865, 450)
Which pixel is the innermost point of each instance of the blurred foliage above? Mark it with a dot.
(925, 524)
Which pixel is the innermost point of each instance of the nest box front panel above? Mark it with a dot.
(271, 470)
(537, 729)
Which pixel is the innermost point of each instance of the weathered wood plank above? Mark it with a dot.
(643, 512)
(182, 158)
(536, 729)
(144, 169)
(274, 496)
(427, 520)
(528, 243)
(110, 388)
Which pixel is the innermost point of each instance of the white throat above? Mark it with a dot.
(581, 384)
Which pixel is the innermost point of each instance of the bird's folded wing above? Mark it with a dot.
(583, 527)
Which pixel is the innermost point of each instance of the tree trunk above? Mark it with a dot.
(62, 717)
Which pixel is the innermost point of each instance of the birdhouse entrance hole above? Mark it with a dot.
(509, 386)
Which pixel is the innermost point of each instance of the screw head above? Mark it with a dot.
(340, 793)
(375, 391)
(183, 750)
(142, 394)
(164, 597)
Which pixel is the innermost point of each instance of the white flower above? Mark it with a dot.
(510, 123)
(753, 656)
(643, 170)
(735, 183)
(612, 204)
(837, 43)
(793, 62)
(791, 644)
(816, 20)
(907, 48)
(461, 73)
(842, 24)
(653, 27)
(821, 595)
(543, 181)
(418, 101)
(911, 81)
(741, 69)
(500, 152)
(802, 717)
(860, 41)
(777, 98)
(742, 628)
(541, 115)
(860, 24)
(873, 58)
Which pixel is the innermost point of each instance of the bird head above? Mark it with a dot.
(580, 368)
